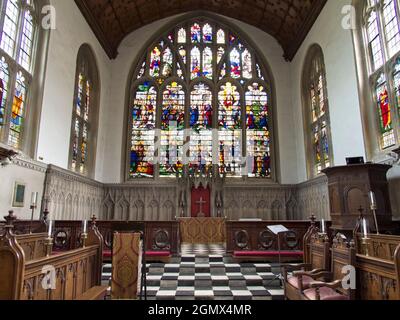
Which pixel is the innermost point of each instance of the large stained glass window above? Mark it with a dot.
(17, 37)
(382, 41)
(84, 117)
(201, 102)
(318, 140)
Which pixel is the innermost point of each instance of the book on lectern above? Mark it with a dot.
(278, 229)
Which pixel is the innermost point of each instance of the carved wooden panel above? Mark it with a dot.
(202, 230)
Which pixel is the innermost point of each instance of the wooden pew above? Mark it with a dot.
(34, 245)
(66, 276)
(316, 265)
(378, 267)
(343, 254)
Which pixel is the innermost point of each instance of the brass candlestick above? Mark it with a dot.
(84, 237)
(365, 243)
(33, 208)
(373, 209)
(49, 246)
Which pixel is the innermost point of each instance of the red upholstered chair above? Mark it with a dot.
(316, 266)
(343, 255)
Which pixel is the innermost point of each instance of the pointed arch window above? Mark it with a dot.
(18, 27)
(85, 114)
(316, 113)
(382, 41)
(194, 91)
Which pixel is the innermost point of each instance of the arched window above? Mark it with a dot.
(200, 102)
(316, 113)
(18, 25)
(85, 114)
(382, 43)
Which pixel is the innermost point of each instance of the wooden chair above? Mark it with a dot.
(315, 266)
(343, 255)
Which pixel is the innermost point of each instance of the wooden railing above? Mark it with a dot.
(255, 236)
(159, 235)
(34, 245)
(378, 267)
(65, 276)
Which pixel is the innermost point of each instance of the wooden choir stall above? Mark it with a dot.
(29, 270)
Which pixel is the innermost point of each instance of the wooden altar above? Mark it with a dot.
(202, 230)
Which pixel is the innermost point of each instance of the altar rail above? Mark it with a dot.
(254, 235)
(160, 235)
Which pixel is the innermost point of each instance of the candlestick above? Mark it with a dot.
(323, 226)
(34, 199)
(50, 229)
(372, 199)
(365, 230)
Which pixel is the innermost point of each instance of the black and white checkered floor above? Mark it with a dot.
(209, 276)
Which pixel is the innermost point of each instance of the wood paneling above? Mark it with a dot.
(202, 230)
(288, 21)
(348, 191)
(257, 237)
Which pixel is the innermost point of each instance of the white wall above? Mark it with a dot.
(55, 129)
(337, 45)
(133, 45)
(29, 173)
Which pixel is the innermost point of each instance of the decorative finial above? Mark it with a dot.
(10, 219)
(94, 219)
(313, 219)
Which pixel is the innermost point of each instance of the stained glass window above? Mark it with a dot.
(317, 113)
(85, 106)
(201, 123)
(221, 36)
(196, 33)
(155, 62)
(258, 136)
(385, 113)
(206, 73)
(167, 62)
(17, 112)
(182, 35)
(207, 33)
(4, 81)
(391, 25)
(172, 127)
(396, 83)
(383, 42)
(208, 63)
(195, 62)
(16, 55)
(143, 131)
(10, 32)
(247, 63)
(230, 130)
(236, 69)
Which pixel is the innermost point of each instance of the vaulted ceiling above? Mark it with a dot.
(289, 21)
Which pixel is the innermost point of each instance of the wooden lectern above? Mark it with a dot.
(349, 188)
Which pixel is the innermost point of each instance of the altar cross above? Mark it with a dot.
(201, 202)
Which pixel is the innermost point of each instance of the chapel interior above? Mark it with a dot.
(200, 150)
